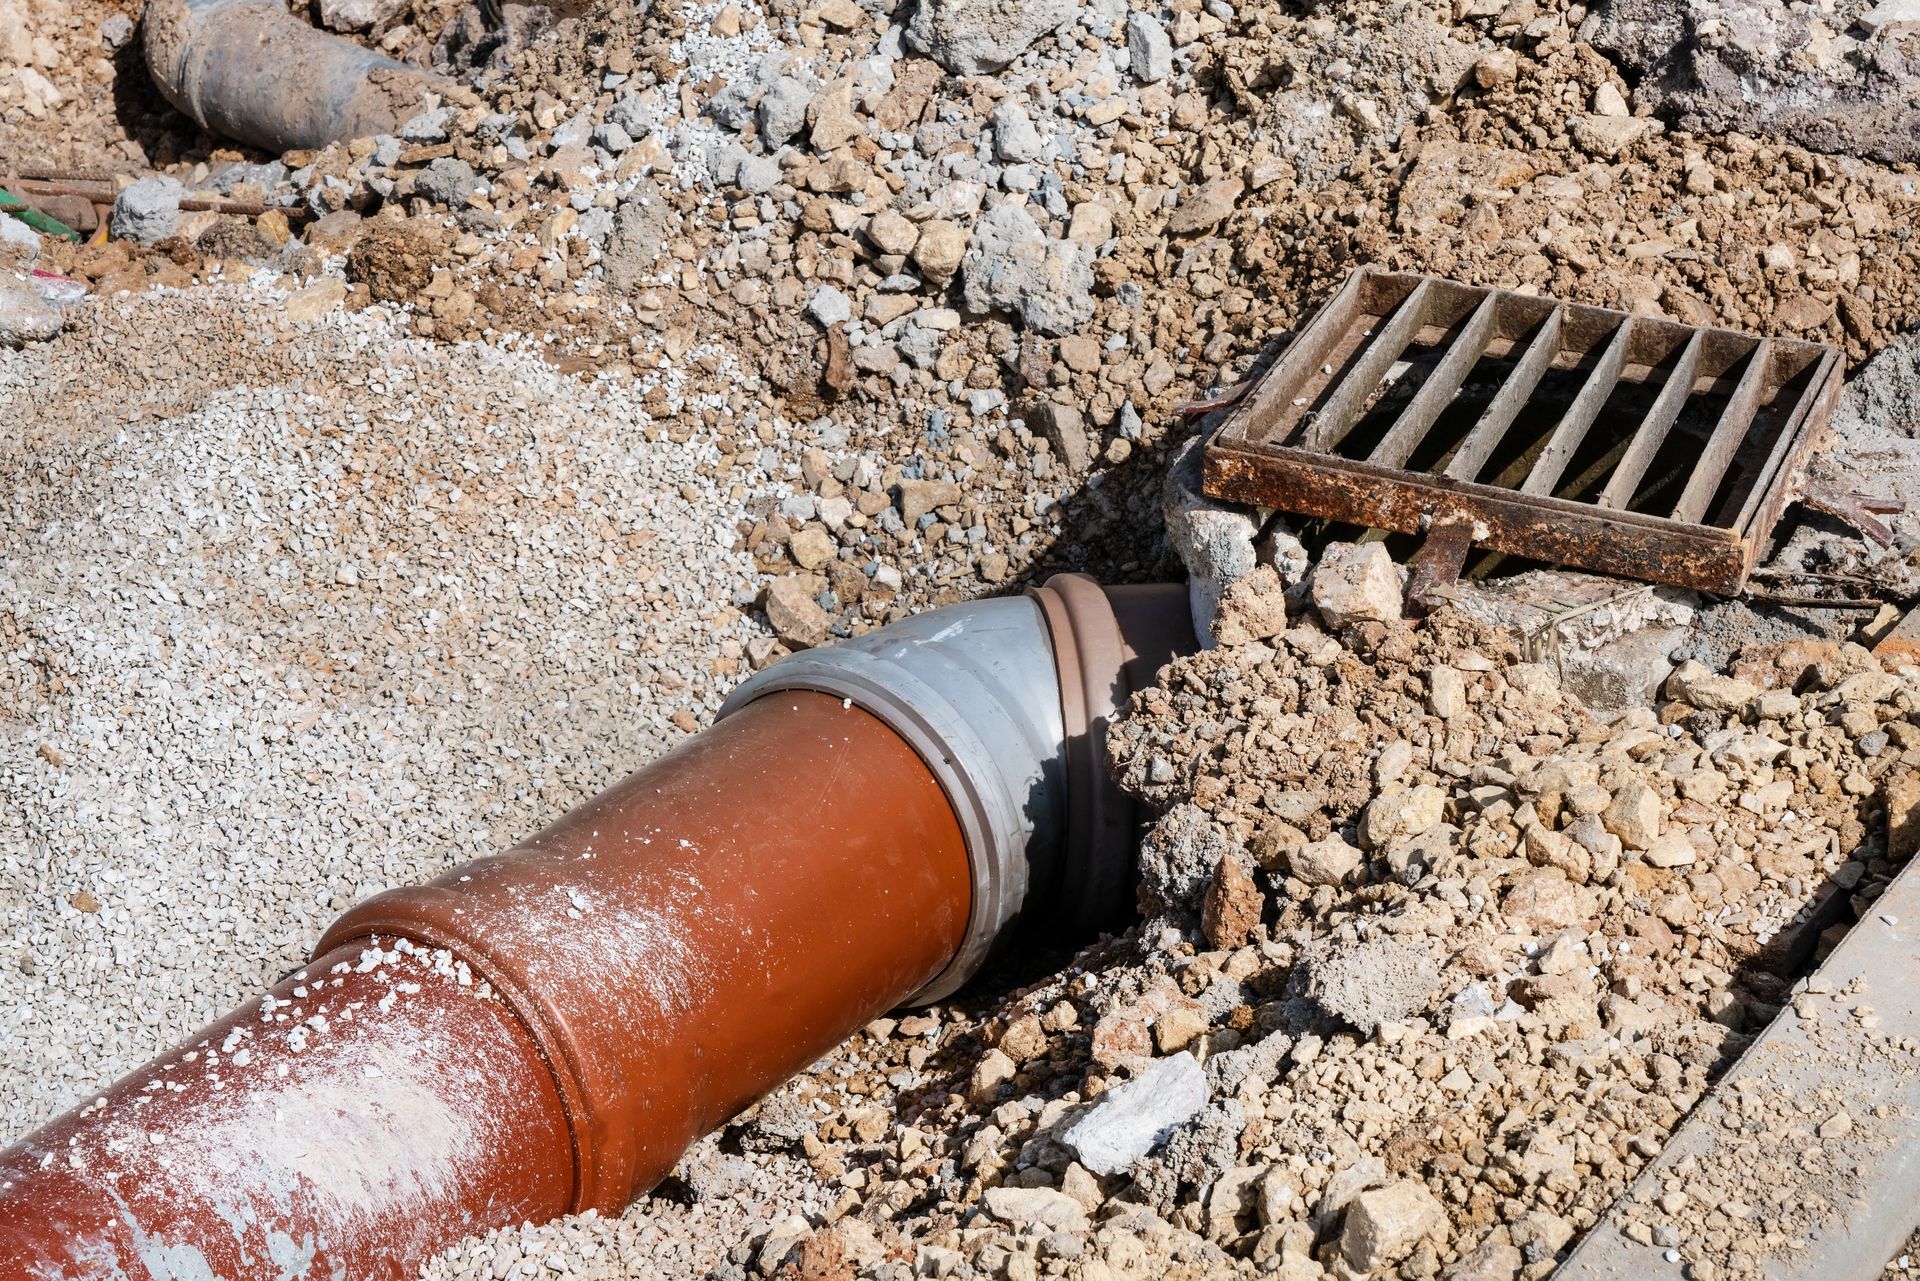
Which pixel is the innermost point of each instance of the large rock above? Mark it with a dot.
(794, 613)
(1214, 540)
(147, 210)
(1011, 266)
(1232, 906)
(941, 248)
(1764, 66)
(1131, 1120)
(1357, 583)
(1066, 430)
(1326, 862)
(1149, 51)
(24, 315)
(1698, 685)
(1634, 815)
(1401, 812)
(1042, 1207)
(782, 112)
(1385, 1224)
(969, 37)
(1252, 608)
(1015, 140)
(447, 181)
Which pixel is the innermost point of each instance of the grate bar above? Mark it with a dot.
(1794, 438)
(1573, 428)
(1510, 400)
(1336, 417)
(1267, 406)
(1439, 389)
(1735, 419)
(1653, 431)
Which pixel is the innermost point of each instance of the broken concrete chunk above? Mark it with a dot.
(147, 210)
(1011, 266)
(1178, 854)
(830, 306)
(969, 37)
(1357, 583)
(1713, 68)
(1385, 1224)
(1048, 1208)
(1327, 862)
(1370, 981)
(1130, 1120)
(1214, 540)
(357, 15)
(24, 315)
(1401, 812)
(447, 181)
(1698, 685)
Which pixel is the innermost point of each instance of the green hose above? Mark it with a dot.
(12, 204)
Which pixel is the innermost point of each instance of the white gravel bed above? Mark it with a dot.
(289, 615)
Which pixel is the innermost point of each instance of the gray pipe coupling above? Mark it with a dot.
(975, 691)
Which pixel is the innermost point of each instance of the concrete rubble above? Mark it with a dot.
(1132, 1119)
(678, 339)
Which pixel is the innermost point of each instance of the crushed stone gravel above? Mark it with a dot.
(292, 613)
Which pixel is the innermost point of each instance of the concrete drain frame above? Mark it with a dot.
(1571, 434)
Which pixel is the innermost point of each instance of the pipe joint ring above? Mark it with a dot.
(974, 690)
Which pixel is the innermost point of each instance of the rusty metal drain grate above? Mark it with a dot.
(1563, 433)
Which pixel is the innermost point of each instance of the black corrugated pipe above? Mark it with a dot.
(251, 71)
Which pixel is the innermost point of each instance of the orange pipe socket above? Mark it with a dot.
(548, 1029)
(632, 976)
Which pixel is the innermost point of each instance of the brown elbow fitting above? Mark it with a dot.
(859, 829)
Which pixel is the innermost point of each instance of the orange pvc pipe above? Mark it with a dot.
(698, 933)
(650, 963)
(366, 1113)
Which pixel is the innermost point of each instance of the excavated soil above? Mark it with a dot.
(356, 539)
